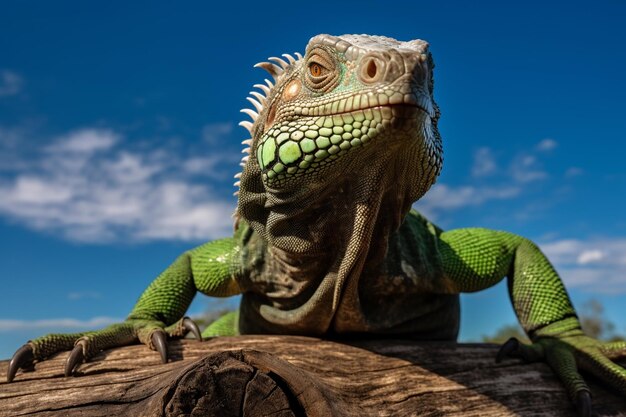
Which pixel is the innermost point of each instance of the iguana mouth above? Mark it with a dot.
(380, 106)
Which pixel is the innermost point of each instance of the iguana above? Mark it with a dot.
(343, 141)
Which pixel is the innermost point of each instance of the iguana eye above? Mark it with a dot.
(316, 69)
(322, 73)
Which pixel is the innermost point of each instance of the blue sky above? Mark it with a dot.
(119, 140)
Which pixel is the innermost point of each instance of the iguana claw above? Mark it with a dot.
(509, 347)
(23, 356)
(159, 340)
(192, 327)
(583, 403)
(76, 357)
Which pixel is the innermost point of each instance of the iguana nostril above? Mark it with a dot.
(371, 70)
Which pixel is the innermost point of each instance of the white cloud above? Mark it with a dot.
(85, 141)
(37, 191)
(90, 186)
(484, 162)
(590, 256)
(547, 145)
(569, 251)
(598, 265)
(442, 197)
(10, 83)
(525, 168)
(205, 165)
(7, 325)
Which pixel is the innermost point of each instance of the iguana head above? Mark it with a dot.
(353, 119)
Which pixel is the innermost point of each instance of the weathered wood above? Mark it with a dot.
(294, 376)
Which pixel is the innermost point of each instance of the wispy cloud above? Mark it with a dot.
(212, 133)
(10, 144)
(523, 169)
(574, 172)
(10, 83)
(598, 265)
(547, 145)
(526, 168)
(91, 186)
(590, 256)
(581, 252)
(442, 197)
(484, 162)
(7, 325)
(85, 141)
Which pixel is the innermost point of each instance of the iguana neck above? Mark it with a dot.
(334, 229)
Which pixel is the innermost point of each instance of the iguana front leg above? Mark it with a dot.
(474, 259)
(159, 312)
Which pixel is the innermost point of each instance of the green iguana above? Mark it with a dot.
(343, 142)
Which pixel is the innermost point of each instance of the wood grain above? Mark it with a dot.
(296, 376)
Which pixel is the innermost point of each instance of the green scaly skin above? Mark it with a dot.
(343, 142)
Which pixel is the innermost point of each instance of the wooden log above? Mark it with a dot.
(296, 376)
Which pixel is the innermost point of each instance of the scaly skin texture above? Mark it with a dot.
(343, 141)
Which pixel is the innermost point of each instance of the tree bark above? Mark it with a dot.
(296, 376)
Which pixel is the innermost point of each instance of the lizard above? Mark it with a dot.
(343, 141)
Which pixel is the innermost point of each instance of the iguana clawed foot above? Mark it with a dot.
(566, 355)
(86, 345)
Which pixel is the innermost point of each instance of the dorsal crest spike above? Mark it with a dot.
(254, 115)
(246, 150)
(247, 142)
(258, 96)
(269, 83)
(274, 70)
(279, 61)
(258, 106)
(290, 58)
(246, 125)
(298, 55)
(263, 88)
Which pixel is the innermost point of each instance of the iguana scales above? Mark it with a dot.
(343, 141)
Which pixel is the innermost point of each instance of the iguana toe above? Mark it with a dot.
(76, 357)
(22, 358)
